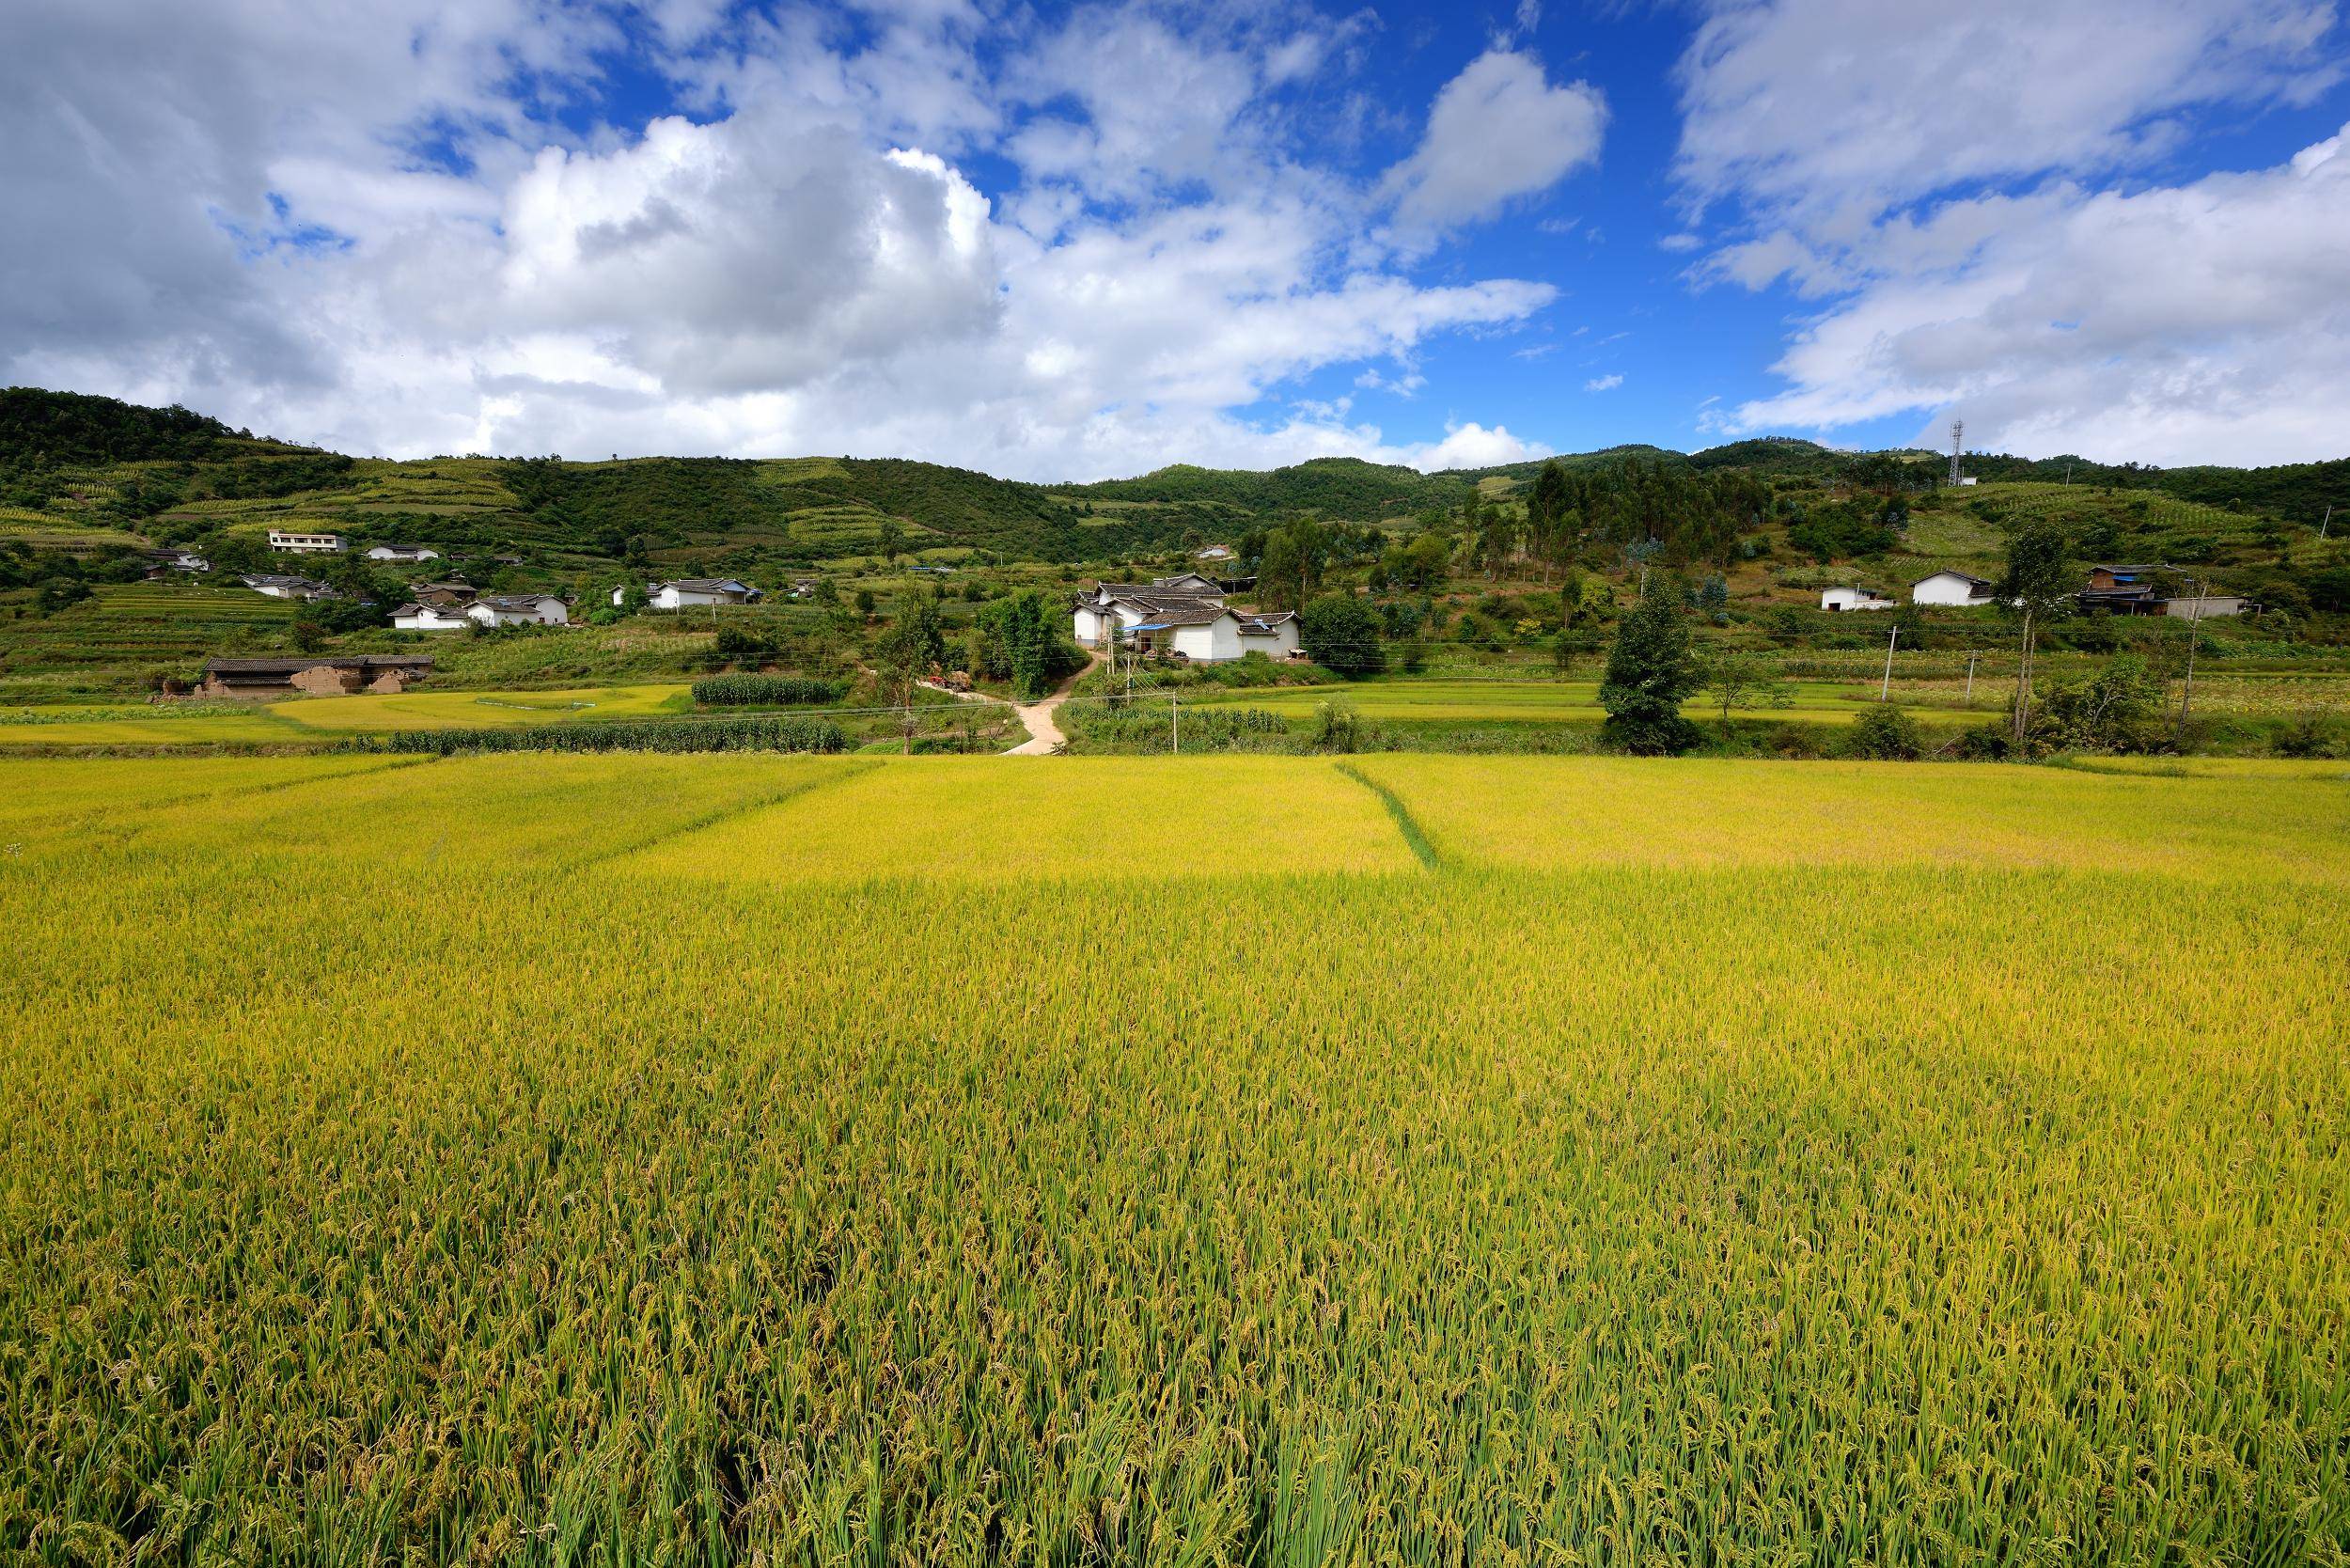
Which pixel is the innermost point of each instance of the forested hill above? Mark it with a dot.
(72, 465)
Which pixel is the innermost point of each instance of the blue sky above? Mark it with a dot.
(1071, 241)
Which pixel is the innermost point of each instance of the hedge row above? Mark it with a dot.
(764, 691)
(726, 734)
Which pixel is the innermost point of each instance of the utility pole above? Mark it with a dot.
(2327, 524)
(1971, 679)
(1175, 723)
(1885, 690)
(2186, 695)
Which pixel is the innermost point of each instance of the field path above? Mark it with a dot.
(1044, 736)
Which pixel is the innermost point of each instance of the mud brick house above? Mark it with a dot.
(261, 679)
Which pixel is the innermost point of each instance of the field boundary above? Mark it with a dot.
(846, 770)
(1414, 835)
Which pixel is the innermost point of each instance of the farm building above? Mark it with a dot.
(1214, 552)
(1854, 599)
(518, 609)
(1953, 589)
(411, 553)
(1176, 615)
(299, 543)
(2123, 590)
(162, 562)
(256, 680)
(275, 586)
(692, 593)
(2203, 606)
(428, 616)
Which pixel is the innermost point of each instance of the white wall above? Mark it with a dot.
(1280, 644)
(429, 619)
(1852, 599)
(549, 613)
(673, 598)
(1944, 589)
(1218, 642)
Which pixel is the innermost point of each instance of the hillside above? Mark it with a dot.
(88, 472)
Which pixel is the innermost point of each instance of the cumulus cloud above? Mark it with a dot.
(1603, 384)
(2197, 322)
(1468, 445)
(1497, 131)
(1836, 107)
(376, 234)
(1990, 247)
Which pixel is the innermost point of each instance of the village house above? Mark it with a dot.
(258, 680)
(275, 586)
(430, 616)
(2203, 606)
(518, 609)
(1182, 617)
(406, 552)
(1214, 552)
(692, 593)
(160, 562)
(1951, 589)
(1854, 599)
(299, 543)
(2124, 590)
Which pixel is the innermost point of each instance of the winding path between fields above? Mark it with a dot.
(1044, 736)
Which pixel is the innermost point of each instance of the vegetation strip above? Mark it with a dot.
(835, 774)
(1405, 823)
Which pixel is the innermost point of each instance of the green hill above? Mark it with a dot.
(96, 470)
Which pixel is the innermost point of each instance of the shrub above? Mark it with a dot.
(764, 691)
(1884, 734)
(743, 733)
(2309, 736)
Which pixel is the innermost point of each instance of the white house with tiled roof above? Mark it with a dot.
(1183, 617)
(692, 593)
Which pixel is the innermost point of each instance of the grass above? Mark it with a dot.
(1406, 699)
(570, 1159)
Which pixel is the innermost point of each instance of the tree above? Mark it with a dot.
(1341, 633)
(2036, 586)
(1294, 555)
(1018, 639)
(1737, 678)
(1547, 514)
(1649, 674)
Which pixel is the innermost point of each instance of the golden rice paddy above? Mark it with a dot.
(680, 1160)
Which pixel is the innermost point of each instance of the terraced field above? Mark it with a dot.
(1420, 1160)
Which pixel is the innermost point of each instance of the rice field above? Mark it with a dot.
(310, 720)
(561, 1159)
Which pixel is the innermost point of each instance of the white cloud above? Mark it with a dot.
(802, 267)
(1497, 131)
(1468, 446)
(1603, 384)
(1835, 109)
(2197, 322)
(1962, 219)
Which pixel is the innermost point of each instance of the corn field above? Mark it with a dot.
(742, 1158)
